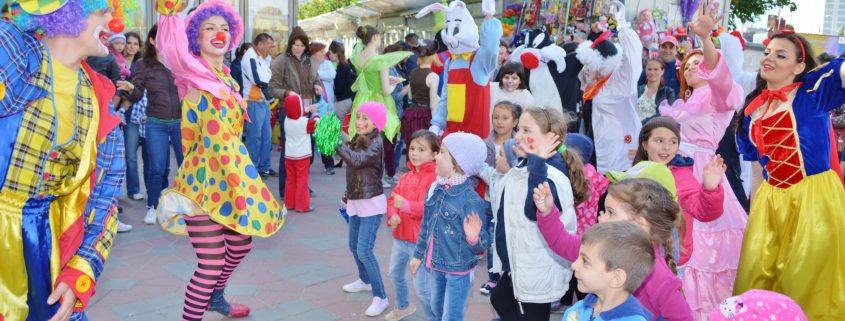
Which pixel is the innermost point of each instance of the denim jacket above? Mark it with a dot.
(443, 218)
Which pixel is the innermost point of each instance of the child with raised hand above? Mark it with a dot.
(452, 233)
(532, 277)
(614, 259)
(652, 208)
(405, 214)
(366, 203)
(711, 237)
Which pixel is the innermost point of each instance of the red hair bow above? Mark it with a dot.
(790, 33)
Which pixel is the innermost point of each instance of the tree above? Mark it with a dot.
(748, 10)
(317, 7)
(841, 31)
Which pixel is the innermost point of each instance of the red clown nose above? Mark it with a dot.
(220, 36)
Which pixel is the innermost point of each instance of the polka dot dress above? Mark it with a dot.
(217, 177)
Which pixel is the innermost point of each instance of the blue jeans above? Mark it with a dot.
(400, 256)
(160, 136)
(131, 138)
(449, 294)
(362, 239)
(423, 287)
(258, 134)
(397, 154)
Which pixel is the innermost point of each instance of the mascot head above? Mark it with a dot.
(460, 33)
(539, 48)
(599, 56)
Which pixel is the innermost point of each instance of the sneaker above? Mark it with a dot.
(264, 174)
(398, 314)
(386, 182)
(395, 179)
(357, 286)
(123, 227)
(150, 218)
(137, 197)
(487, 287)
(330, 170)
(377, 307)
(273, 173)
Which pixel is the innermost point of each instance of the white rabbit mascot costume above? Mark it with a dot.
(611, 77)
(465, 101)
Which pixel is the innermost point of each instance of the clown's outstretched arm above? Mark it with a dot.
(100, 223)
(172, 45)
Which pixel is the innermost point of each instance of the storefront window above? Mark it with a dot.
(271, 17)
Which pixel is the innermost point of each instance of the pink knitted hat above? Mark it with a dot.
(377, 113)
(758, 305)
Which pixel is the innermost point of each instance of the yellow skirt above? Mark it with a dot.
(795, 244)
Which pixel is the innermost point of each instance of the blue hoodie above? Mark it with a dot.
(630, 310)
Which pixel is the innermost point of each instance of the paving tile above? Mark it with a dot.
(241, 290)
(116, 284)
(181, 270)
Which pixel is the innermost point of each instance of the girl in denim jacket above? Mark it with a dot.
(452, 232)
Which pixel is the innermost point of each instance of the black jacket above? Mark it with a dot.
(663, 93)
(162, 97)
(106, 66)
(343, 82)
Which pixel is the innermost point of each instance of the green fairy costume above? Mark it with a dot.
(368, 87)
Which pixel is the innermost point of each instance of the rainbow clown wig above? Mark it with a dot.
(56, 17)
(210, 9)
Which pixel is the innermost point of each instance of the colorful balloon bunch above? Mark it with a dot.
(510, 17)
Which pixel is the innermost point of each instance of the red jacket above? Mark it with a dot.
(413, 187)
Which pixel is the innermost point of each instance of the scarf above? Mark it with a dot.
(448, 182)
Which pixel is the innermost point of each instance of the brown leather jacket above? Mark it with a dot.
(162, 97)
(363, 176)
(291, 74)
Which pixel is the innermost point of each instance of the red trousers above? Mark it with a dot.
(296, 184)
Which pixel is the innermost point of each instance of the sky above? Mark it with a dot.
(806, 19)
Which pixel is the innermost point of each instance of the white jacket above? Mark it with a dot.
(261, 74)
(539, 275)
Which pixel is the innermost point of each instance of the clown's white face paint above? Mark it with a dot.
(90, 40)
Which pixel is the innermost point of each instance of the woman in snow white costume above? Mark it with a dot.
(795, 240)
(61, 164)
(217, 195)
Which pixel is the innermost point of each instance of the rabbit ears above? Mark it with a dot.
(455, 5)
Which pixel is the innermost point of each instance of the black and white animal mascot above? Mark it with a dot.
(552, 74)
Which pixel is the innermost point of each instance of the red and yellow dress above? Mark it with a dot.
(217, 177)
(795, 238)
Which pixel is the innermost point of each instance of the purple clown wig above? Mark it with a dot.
(210, 9)
(69, 20)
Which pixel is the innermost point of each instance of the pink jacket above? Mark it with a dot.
(587, 211)
(660, 292)
(696, 203)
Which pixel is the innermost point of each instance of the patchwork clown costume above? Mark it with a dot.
(61, 169)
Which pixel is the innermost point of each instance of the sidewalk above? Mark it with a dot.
(296, 274)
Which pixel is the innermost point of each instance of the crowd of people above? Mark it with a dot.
(618, 175)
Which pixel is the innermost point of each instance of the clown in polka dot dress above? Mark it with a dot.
(217, 177)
